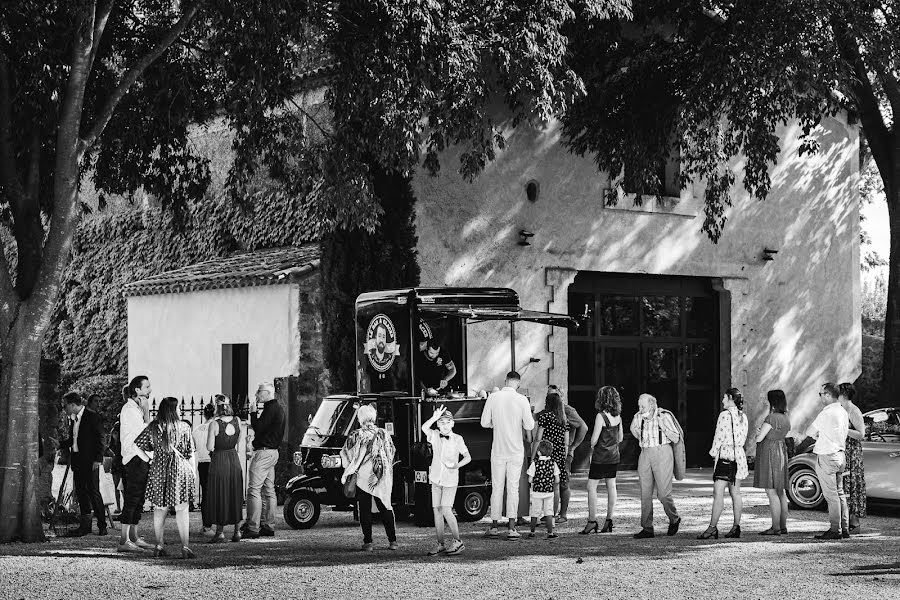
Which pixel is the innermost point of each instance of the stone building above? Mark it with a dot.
(775, 304)
(225, 325)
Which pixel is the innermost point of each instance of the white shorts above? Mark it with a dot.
(442, 495)
(541, 504)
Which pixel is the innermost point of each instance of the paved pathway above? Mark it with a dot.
(325, 562)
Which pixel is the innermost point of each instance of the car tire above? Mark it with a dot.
(472, 504)
(302, 510)
(804, 489)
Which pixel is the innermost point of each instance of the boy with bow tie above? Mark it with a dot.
(449, 453)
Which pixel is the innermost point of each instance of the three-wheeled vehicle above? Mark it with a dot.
(406, 341)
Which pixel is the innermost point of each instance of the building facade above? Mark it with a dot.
(775, 304)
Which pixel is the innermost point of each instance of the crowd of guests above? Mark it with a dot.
(549, 438)
(161, 460)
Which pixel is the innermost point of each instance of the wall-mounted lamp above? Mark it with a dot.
(769, 254)
(523, 237)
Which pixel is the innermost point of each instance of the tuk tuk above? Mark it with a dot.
(400, 336)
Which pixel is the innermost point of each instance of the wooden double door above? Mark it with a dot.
(647, 334)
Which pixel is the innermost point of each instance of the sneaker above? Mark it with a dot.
(393, 546)
(142, 543)
(207, 531)
(251, 535)
(129, 546)
(643, 534)
(492, 532)
(367, 547)
(528, 534)
(561, 519)
(845, 534)
(456, 546)
(438, 549)
(266, 532)
(553, 535)
(513, 534)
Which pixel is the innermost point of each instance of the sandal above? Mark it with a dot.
(591, 527)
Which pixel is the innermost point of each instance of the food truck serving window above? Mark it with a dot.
(500, 314)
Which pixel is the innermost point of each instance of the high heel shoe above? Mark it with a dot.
(590, 528)
(711, 532)
(186, 552)
(159, 551)
(734, 532)
(607, 526)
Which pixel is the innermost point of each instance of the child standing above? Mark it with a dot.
(544, 476)
(447, 449)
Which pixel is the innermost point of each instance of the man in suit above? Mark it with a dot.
(86, 444)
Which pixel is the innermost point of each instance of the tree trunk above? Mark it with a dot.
(19, 388)
(890, 379)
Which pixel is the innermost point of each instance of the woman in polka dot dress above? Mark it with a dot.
(171, 479)
(553, 427)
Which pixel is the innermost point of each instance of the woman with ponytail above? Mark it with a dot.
(171, 480)
(731, 462)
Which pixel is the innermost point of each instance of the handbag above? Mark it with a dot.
(726, 468)
(350, 486)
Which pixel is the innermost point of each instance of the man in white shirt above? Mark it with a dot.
(508, 413)
(136, 463)
(830, 433)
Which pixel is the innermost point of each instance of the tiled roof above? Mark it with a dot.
(262, 267)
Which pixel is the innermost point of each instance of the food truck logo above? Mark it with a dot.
(381, 343)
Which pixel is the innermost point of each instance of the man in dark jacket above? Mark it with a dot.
(86, 444)
(268, 431)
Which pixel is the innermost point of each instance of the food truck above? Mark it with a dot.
(410, 357)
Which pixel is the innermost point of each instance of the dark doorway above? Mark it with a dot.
(235, 371)
(647, 334)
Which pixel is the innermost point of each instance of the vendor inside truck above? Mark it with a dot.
(435, 368)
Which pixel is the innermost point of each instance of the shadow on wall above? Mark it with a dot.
(796, 322)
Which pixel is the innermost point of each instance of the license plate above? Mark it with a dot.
(421, 476)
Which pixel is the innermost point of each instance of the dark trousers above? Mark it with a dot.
(365, 516)
(87, 488)
(203, 473)
(135, 484)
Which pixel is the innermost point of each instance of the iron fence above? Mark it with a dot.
(191, 408)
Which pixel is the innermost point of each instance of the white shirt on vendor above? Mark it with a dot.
(832, 425)
(508, 413)
(446, 450)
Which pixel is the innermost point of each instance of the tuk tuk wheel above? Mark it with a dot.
(302, 510)
(472, 505)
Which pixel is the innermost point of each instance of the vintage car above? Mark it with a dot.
(392, 330)
(881, 456)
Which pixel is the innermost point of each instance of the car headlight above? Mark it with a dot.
(331, 461)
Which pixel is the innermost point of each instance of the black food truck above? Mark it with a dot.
(410, 356)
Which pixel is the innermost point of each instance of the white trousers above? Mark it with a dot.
(505, 475)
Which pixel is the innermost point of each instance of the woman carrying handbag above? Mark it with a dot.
(731, 463)
(368, 458)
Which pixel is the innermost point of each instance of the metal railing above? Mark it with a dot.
(191, 408)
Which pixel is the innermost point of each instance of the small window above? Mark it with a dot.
(665, 181)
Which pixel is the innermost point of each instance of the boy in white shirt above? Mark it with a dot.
(447, 448)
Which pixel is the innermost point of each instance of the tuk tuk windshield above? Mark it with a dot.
(334, 417)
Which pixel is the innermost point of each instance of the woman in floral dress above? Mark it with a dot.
(553, 426)
(171, 479)
(855, 482)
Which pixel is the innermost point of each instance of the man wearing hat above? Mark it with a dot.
(268, 430)
(508, 413)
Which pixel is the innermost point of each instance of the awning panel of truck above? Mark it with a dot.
(477, 315)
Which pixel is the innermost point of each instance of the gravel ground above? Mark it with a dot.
(326, 562)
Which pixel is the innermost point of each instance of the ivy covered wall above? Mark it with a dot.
(88, 335)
